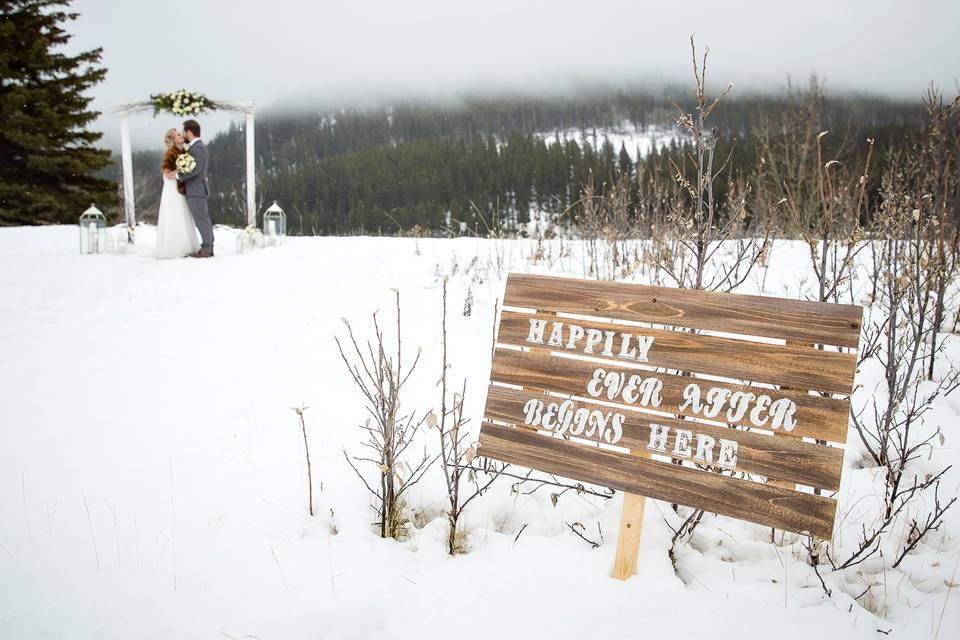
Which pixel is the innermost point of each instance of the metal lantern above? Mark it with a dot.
(274, 224)
(93, 225)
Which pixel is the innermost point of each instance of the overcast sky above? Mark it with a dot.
(282, 52)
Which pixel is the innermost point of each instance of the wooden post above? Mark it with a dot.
(628, 540)
(126, 162)
(251, 167)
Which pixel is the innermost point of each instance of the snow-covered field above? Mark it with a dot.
(153, 482)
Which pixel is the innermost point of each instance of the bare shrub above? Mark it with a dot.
(456, 450)
(698, 225)
(892, 424)
(604, 221)
(380, 376)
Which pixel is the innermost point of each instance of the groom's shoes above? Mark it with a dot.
(203, 253)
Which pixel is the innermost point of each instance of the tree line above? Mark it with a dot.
(488, 165)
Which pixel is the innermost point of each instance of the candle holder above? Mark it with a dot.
(274, 224)
(93, 226)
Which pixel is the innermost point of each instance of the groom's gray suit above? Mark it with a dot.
(195, 185)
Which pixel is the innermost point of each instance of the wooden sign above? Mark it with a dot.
(730, 403)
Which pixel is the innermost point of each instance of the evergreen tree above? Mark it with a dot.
(49, 157)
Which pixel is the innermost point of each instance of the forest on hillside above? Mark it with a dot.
(488, 165)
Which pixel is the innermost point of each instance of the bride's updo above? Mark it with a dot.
(170, 139)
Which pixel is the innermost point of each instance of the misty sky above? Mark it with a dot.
(285, 52)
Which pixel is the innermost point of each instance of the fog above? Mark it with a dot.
(286, 53)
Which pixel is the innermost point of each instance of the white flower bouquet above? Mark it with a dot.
(186, 163)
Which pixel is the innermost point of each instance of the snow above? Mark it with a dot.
(639, 141)
(153, 483)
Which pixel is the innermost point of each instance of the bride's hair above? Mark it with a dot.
(170, 138)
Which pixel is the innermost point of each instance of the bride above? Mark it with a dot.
(176, 231)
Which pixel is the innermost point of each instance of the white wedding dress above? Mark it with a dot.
(177, 235)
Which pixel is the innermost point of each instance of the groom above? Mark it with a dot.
(195, 184)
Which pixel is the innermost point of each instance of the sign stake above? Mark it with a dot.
(628, 539)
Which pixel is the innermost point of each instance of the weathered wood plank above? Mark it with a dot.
(802, 321)
(815, 417)
(788, 459)
(763, 504)
(792, 366)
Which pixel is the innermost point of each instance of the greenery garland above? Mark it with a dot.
(182, 103)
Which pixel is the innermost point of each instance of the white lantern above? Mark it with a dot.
(274, 224)
(93, 226)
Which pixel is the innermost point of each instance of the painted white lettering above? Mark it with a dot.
(681, 444)
(566, 419)
(739, 402)
(593, 340)
(691, 398)
(536, 331)
(597, 422)
(644, 343)
(615, 432)
(727, 456)
(625, 342)
(576, 335)
(531, 411)
(548, 416)
(608, 344)
(650, 387)
(758, 410)
(716, 398)
(614, 383)
(630, 390)
(593, 386)
(579, 421)
(704, 448)
(658, 437)
(564, 416)
(556, 335)
(782, 411)
(594, 336)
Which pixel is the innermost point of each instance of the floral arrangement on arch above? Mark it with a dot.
(182, 103)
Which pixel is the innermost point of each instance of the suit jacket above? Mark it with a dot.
(195, 182)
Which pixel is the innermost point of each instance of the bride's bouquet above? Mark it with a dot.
(186, 163)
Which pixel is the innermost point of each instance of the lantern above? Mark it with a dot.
(274, 224)
(93, 225)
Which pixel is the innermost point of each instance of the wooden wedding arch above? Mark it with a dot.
(245, 107)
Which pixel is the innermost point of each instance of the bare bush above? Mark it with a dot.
(892, 424)
(604, 221)
(939, 156)
(698, 225)
(456, 450)
(389, 432)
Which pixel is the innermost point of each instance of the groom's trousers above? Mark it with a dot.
(198, 209)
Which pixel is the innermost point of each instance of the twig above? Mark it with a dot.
(23, 492)
(93, 537)
(173, 529)
(280, 569)
(522, 529)
(593, 544)
(306, 447)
